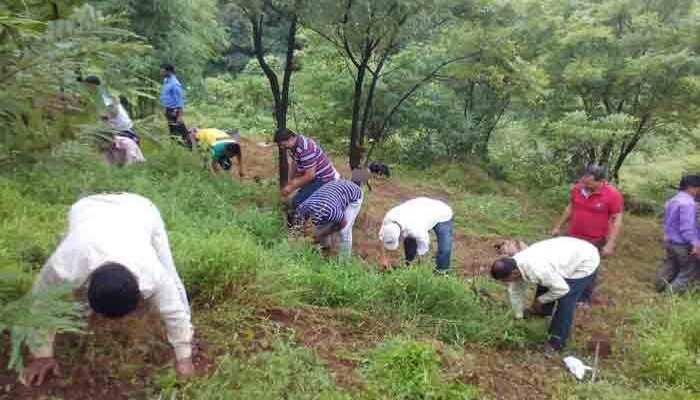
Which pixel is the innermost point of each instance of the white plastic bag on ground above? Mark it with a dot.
(576, 367)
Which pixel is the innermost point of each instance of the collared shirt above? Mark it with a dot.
(307, 154)
(681, 220)
(548, 263)
(416, 218)
(126, 229)
(327, 205)
(171, 94)
(591, 212)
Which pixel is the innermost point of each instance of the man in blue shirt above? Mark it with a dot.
(172, 98)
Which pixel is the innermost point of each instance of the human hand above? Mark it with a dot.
(556, 231)
(608, 250)
(184, 368)
(287, 190)
(38, 370)
(696, 251)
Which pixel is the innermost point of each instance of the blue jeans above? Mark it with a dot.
(563, 318)
(443, 231)
(306, 191)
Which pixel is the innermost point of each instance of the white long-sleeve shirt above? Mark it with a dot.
(416, 218)
(126, 229)
(548, 263)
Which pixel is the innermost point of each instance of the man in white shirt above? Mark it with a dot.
(412, 222)
(562, 268)
(117, 248)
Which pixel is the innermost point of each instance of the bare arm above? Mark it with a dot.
(615, 229)
(556, 231)
(299, 181)
(239, 157)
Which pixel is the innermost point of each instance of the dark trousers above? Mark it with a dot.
(306, 191)
(564, 310)
(588, 291)
(443, 231)
(177, 128)
(679, 270)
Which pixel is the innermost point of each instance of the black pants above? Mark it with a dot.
(564, 310)
(177, 129)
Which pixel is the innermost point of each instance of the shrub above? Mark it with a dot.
(406, 369)
(668, 345)
(285, 372)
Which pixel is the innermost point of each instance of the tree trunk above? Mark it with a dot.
(280, 98)
(355, 150)
(627, 148)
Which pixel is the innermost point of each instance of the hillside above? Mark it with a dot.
(275, 320)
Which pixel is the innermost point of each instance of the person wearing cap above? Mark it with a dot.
(117, 250)
(411, 222)
(564, 267)
(594, 214)
(681, 266)
(311, 167)
(333, 208)
(222, 146)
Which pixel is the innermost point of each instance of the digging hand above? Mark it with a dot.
(184, 368)
(40, 369)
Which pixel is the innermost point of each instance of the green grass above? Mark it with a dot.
(232, 251)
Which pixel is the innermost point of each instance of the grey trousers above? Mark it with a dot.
(679, 270)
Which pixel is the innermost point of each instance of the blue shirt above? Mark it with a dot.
(327, 205)
(171, 94)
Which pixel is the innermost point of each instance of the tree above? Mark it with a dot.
(622, 73)
(39, 55)
(260, 15)
(369, 34)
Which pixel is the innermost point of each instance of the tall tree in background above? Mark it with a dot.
(623, 72)
(261, 15)
(369, 34)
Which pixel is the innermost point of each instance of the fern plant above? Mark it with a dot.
(52, 310)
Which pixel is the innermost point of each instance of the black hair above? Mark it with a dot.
(283, 134)
(113, 290)
(503, 268)
(168, 67)
(689, 181)
(93, 80)
(597, 172)
(232, 149)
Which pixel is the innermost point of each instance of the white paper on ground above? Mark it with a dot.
(576, 367)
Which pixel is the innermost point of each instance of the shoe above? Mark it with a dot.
(550, 351)
(583, 305)
(441, 272)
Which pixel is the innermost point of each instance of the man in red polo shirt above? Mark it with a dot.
(594, 214)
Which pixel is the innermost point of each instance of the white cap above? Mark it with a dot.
(390, 235)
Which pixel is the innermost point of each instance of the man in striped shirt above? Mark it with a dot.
(333, 208)
(312, 168)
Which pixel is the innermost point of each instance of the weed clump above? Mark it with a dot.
(406, 369)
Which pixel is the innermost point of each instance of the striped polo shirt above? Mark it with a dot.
(307, 154)
(327, 205)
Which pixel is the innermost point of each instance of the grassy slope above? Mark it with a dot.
(281, 321)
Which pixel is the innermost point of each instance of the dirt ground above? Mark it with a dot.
(120, 362)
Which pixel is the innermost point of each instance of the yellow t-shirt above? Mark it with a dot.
(208, 137)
